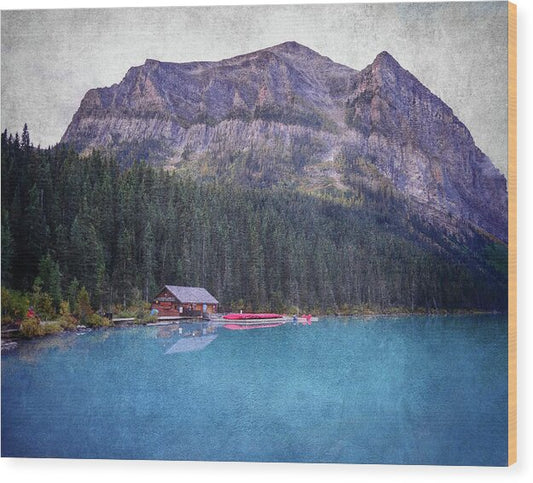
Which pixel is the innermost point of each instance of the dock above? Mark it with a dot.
(162, 320)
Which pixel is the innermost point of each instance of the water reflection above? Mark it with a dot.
(32, 350)
(406, 390)
(191, 344)
(191, 337)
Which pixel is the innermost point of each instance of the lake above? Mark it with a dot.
(403, 390)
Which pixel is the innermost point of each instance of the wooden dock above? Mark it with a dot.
(162, 319)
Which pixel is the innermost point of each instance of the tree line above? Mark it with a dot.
(72, 222)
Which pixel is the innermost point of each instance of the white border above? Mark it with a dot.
(89, 471)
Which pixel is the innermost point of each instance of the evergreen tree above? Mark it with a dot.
(122, 234)
(83, 306)
(8, 249)
(72, 294)
(51, 278)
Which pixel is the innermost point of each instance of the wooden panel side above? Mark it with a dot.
(511, 179)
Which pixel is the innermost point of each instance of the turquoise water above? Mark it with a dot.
(407, 390)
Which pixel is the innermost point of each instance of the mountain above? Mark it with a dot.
(288, 116)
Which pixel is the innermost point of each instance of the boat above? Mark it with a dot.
(258, 320)
(304, 319)
(243, 321)
(252, 316)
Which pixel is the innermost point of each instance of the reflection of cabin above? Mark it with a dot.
(186, 301)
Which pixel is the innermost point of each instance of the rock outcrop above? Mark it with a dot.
(287, 115)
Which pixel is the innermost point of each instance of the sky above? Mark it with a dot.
(51, 58)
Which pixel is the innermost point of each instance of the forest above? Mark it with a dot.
(71, 223)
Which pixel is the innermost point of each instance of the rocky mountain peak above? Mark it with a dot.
(293, 48)
(285, 48)
(286, 114)
(296, 50)
(386, 60)
(150, 65)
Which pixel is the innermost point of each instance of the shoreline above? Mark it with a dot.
(11, 337)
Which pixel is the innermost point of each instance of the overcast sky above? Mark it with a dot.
(50, 58)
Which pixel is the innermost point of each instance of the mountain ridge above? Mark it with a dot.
(288, 115)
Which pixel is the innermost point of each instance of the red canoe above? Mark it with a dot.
(249, 316)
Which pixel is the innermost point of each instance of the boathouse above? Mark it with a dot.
(185, 301)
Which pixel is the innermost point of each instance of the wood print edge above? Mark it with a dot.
(511, 170)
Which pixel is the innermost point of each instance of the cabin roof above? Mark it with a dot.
(197, 295)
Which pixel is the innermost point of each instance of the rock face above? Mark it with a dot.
(287, 115)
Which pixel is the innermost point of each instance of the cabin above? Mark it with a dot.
(185, 301)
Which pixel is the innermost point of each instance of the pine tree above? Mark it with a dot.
(83, 306)
(72, 294)
(51, 278)
(25, 142)
(8, 249)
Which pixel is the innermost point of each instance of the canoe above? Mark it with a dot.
(251, 316)
(305, 320)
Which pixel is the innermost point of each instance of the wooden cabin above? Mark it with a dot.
(184, 301)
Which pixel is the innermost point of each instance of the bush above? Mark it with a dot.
(66, 319)
(52, 328)
(95, 320)
(131, 310)
(44, 305)
(120, 311)
(83, 306)
(15, 306)
(31, 327)
(143, 317)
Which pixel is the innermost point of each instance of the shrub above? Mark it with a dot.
(66, 319)
(83, 306)
(44, 305)
(131, 310)
(31, 327)
(143, 316)
(123, 312)
(52, 328)
(95, 320)
(15, 306)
